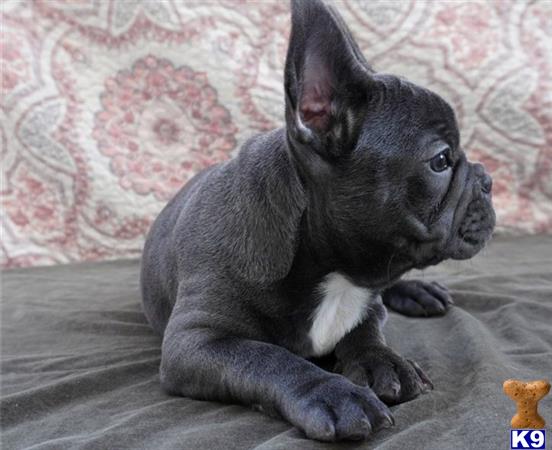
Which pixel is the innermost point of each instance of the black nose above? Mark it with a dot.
(485, 179)
(486, 183)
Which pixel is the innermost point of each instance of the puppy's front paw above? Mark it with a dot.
(418, 298)
(393, 378)
(336, 409)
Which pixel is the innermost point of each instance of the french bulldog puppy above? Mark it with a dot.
(285, 252)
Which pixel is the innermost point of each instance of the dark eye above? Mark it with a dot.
(441, 161)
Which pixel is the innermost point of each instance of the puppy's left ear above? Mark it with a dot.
(327, 80)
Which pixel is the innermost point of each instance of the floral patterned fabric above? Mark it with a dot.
(108, 107)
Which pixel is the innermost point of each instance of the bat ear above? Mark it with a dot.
(327, 80)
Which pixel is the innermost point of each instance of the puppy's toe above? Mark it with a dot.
(393, 378)
(387, 384)
(418, 298)
(340, 410)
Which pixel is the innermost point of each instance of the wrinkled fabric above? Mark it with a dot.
(80, 363)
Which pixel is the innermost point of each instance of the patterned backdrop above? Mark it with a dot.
(109, 106)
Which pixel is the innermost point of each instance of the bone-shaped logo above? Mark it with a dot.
(527, 395)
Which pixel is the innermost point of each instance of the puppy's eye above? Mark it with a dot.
(441, 161)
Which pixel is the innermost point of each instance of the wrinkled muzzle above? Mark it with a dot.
(475, 216)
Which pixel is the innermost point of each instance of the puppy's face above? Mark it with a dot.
(383, 154)
(427, 201)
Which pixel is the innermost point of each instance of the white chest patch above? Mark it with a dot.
(343, 306)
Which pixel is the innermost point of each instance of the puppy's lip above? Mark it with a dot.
(467, 246)
(462, 246)
(467, 250)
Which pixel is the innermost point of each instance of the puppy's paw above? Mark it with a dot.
(336, 409)
(418, 298)
(393, 379)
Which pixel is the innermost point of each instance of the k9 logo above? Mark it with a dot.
(527, 439)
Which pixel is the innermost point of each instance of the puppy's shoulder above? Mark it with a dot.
(245, 214)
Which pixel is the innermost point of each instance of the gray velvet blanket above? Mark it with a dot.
(79, 362)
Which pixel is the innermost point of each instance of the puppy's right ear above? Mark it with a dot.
(327, 80)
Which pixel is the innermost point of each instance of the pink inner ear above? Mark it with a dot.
(315, 104)
(316, 114)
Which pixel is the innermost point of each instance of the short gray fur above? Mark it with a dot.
(351, 185)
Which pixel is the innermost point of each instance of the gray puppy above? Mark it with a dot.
(290, 250)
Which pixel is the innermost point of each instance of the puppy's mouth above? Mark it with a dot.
(475, 229)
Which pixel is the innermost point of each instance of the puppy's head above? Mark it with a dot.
(380, 157)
